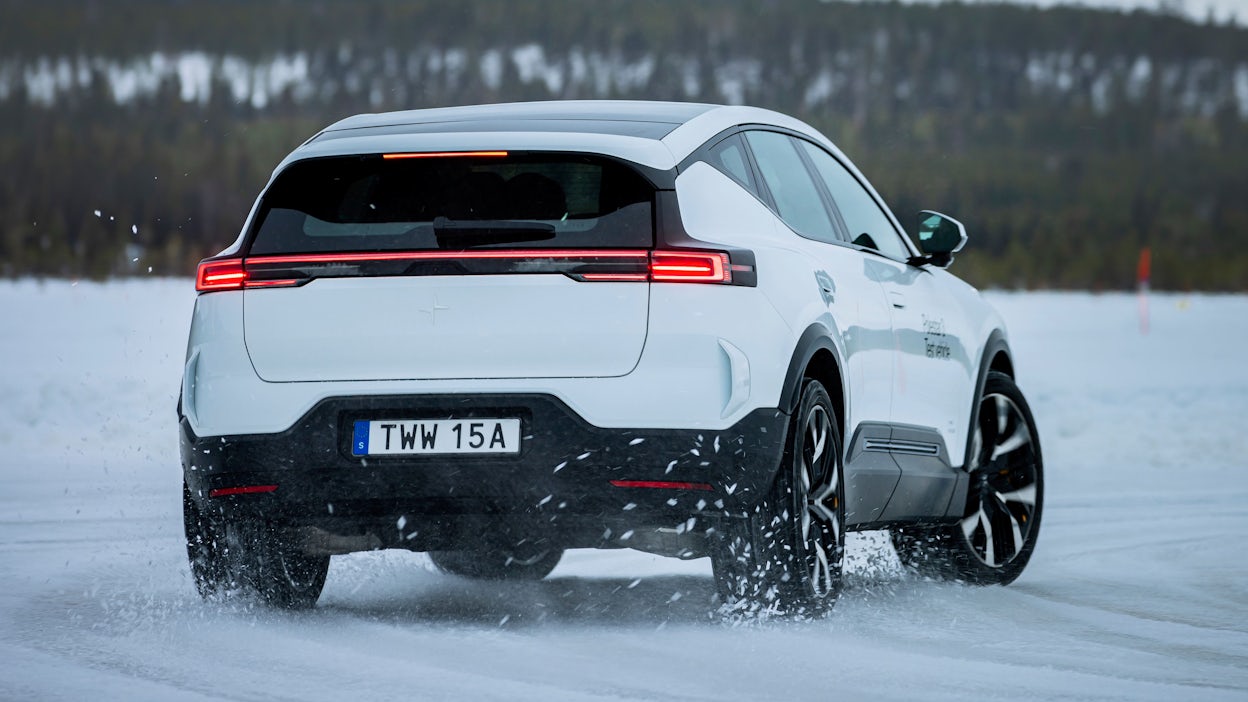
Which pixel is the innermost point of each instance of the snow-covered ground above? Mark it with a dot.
(1138, 590)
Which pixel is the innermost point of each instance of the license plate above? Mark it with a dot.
(388, 437)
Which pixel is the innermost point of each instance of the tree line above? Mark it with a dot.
(136, 133)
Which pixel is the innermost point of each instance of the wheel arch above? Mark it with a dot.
(996, 357)
(816, 357)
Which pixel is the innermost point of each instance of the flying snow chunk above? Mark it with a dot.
(98, 213)
(634, 442)
(134, 229)
(402, 522)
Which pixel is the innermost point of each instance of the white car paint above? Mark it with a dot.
(683, 356)
(430, 327)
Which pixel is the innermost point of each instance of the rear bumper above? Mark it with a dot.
(559, 487)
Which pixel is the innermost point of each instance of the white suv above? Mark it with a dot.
(494, 333)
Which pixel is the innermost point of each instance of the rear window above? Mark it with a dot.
(367, 203)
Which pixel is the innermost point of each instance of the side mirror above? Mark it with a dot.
(940, 237)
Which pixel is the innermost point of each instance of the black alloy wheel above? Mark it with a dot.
(818, 501)
(787, 555)
(994, 539)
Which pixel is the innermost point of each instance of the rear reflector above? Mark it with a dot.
(247, 490)
(661, 485)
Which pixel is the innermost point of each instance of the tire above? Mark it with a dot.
(522, 562)
(249, 557)
(787, 555)
(205, 549)
(993, 541)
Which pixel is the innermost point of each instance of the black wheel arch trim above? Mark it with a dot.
(996, 345)
(816, 338)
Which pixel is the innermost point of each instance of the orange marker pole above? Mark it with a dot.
(1142, 274)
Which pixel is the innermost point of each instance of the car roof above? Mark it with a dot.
(654, 134)
(606, 116)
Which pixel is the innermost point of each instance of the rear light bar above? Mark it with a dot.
(445, 154)
(588, 265)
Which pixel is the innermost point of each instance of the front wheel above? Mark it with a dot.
(994, 539)
(787, 555)
(245, 556)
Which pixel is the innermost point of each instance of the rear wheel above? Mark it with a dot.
(787, 555)
(249, 556)
(519, 562)
(994, 539)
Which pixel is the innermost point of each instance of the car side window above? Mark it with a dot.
(728, 156)
(796, 196)
(867, 223)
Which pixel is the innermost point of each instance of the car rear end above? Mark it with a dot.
(421, 347)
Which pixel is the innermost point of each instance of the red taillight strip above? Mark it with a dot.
(445, 154)
(690, 267)
(661, 484)
(247, 490)
(445, 255)
(226, 274)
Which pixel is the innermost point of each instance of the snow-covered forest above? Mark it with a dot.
(1067, 139)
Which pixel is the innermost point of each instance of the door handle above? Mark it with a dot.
(898, 300)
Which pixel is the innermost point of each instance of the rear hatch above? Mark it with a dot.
(462, 265)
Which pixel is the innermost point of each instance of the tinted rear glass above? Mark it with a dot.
(531, 201)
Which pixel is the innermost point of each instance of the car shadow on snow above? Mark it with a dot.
(404, 587)
(445, 599)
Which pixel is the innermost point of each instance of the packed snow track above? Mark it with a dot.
(1138, 589)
